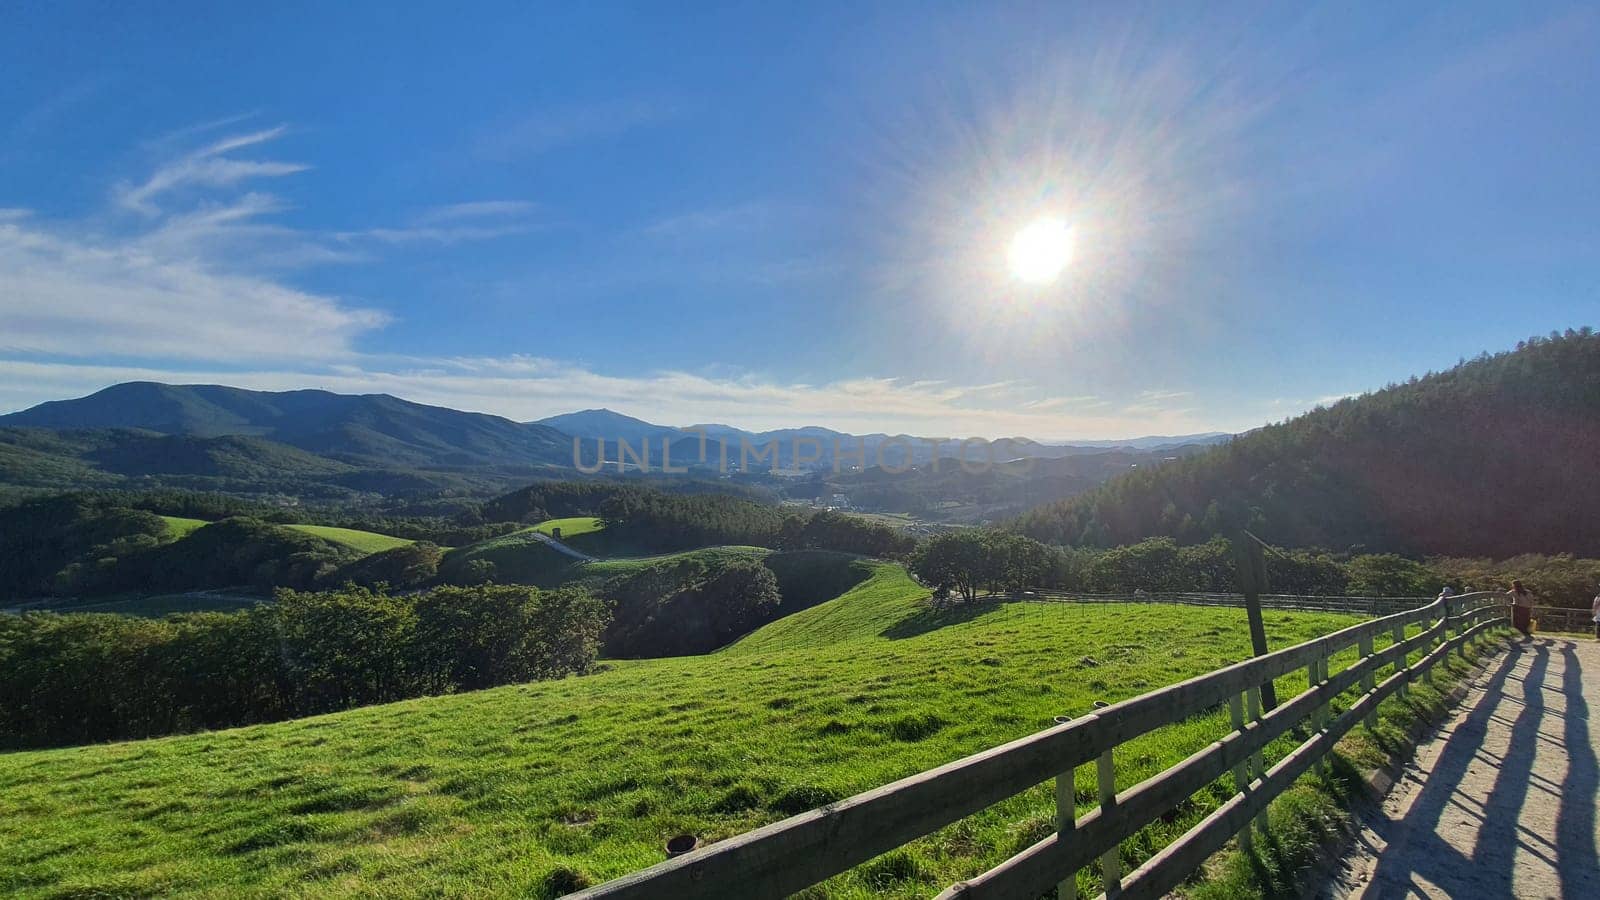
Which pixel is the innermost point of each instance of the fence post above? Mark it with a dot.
(1253, 696)
(1066, 824)
(1369, 680)
(1404, 662)
(1313, 683)
(1111, 860)
(1241, 771)
(1427, 648)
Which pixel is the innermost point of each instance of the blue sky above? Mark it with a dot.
(777, 214)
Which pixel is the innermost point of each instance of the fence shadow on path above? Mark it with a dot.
(1575, 823)
(1415, 847)
(1419, 849)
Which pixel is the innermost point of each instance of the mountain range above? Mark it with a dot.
(323, 445)
(853, 450)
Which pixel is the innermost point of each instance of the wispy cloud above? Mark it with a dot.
(77, 296)
(530, 134)
(1158, 403)
(456, 223)
(738, 217)
(208, 167)
(476, 210)
(196, 290)
(201, 274)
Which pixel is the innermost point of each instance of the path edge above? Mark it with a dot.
(1375, 784)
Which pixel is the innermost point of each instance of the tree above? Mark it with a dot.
(1390, 575)
(954, 560)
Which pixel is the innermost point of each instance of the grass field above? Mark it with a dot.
(181, 527)
(605, 568)
(365, 541)
(535, 789)
(570, 528)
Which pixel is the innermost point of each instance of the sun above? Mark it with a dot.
(1041, 251)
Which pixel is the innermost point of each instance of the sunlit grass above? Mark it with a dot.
(570, 527)
(535, 788)
(365, 541)
(181, 527)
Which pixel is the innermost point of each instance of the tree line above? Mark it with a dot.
(80, 678)
(971, 562)
(1493, 458)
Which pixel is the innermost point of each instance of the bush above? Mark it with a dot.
(95, 677)
(683, 607)
(401, 567)
(1389, 575)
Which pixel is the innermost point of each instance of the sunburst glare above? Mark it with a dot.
(1041, 251)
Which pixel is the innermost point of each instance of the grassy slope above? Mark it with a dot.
(606, 568)
(365, 541)
(534, 788)
(182, 527)
(572, 527)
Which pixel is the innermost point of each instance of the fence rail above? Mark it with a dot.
(1373, 606)
(1562, 618)
(787, 856)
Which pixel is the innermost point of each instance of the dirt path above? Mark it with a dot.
(1502, 802)
(559, 547)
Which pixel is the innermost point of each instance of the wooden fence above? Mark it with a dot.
(787, 856)
(1560, 618)
(1370, 606)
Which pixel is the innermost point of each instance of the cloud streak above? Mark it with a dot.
(208, 167)
(532, 134)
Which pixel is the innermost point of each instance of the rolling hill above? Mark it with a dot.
(1494, 457)
(537, 789)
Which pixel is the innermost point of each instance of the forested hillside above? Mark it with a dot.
(1493, 457)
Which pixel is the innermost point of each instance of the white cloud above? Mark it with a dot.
(194, 292)
(476, 209)
(453, 224)
(539, 132)
(76, 296)
(208, 167)
(738, 218)
(199, 277)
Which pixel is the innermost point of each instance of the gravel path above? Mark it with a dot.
(1502, 801)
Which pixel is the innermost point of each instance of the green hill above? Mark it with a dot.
(516, 558)
(536, 789)
(364, 541)
(180, 526)
(1402, 469)
(575, 526)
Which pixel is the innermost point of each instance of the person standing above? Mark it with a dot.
(1596, 610)
(1521, 607)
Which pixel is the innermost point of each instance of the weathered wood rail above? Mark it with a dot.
(1561, 618)
(1373, 606)
(787, 856)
